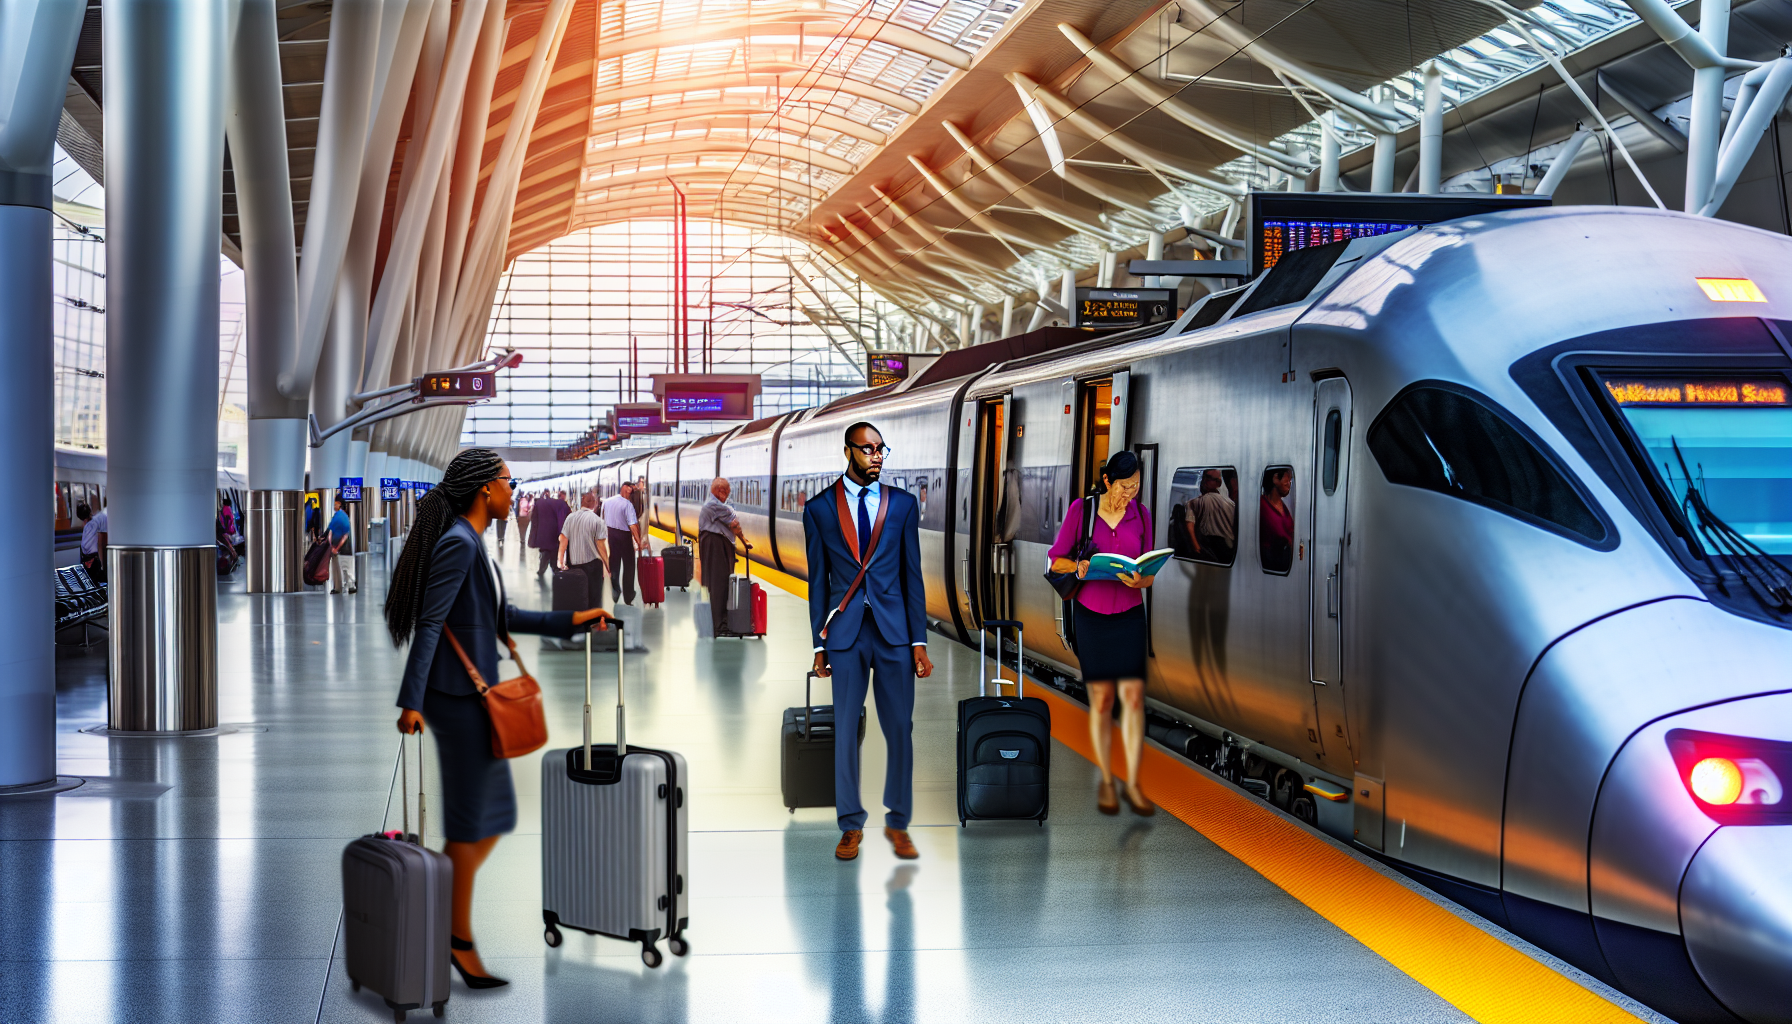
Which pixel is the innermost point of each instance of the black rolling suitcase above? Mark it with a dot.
(1004, 743)
(396, 902)
(572, 593)
(808, 761)
(680, 565)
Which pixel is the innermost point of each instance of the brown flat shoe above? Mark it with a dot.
(905, 847)
(1141, 804)
(1106, 801)
(849, 844)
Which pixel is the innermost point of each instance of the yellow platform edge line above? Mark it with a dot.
(1472, 970)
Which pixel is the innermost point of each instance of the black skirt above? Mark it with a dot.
(477, 797)
(1110, 647)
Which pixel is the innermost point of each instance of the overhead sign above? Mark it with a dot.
(419, 488)
(1123, 307)
(389, 487)
(885, 368)
(706, 396)
(474, 386)
(348, 488)
(638, 418)
(1280, 222)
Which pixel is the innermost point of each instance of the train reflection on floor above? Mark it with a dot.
(198, 879)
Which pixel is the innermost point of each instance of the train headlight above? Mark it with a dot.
(1716, 780)
(1734, 779)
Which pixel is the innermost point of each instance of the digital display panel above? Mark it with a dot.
(419, 488)
(637, 418)
(1703, 391)
(885, 368)
(1278, 237)
(458, 385)
(1123, 307)
(692, 403)
(389, 488)
(348, 488)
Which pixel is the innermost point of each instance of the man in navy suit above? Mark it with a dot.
(872, 636)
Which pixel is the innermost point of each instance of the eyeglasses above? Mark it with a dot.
(872, 451)
(509, 481)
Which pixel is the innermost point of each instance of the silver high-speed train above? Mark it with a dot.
(1528, 635)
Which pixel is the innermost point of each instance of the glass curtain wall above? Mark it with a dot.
(593, 314)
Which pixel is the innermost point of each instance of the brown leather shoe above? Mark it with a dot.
(905, 847)
(849, 844)
(1105, 800)
(1141, 804)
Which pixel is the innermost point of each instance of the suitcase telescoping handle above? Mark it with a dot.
(808, 705)
(1020, 655)
(401, 775)
(621, 729)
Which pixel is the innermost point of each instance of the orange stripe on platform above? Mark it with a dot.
(1472, 970)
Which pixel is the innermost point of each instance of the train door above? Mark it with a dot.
(1329, 616)
(991, 582)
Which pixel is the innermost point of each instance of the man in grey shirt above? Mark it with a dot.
(717, 529)
(582, 547)
(625, 537)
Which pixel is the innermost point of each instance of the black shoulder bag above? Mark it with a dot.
(1068, 583)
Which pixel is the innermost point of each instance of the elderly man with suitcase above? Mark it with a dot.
(868, 618)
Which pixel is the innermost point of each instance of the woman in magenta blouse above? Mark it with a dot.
(1110, 624)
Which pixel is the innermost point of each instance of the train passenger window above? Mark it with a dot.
(1445, 438)
(1203, 520)
(1275, 521)
(1328, 466)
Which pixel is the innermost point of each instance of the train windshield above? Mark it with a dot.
(1723, 450)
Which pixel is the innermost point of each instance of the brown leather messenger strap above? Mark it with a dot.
(466, 662)
(852, 543)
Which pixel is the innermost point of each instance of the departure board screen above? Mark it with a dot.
(884, 368)
(1276, 237)
(1278, 223)
(1123, 307)
(692, 403)
(1704, 391)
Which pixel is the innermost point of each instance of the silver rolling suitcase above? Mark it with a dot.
(396, 902)
(613, 830)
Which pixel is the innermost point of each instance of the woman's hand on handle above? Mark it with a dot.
(410, 721)
(591, 614)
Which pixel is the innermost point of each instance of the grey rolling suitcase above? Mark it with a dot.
(607, 639)
(613, 839)
(396, 902)
(740, 605)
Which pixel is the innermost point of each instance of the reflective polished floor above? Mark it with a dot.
(197, 879)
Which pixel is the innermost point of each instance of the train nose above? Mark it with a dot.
(1736, 916)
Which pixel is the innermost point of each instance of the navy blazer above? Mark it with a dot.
(460, 595)
(895, 586)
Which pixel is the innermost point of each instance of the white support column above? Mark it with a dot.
(1104, 275)
(1154, 250)
(1067, 296)
(1431, 133)
(1329, 152)
(1007, 315)
(1558, 168)
(1381, 174)
(1706, 130)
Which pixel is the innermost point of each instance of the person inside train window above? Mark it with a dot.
(1110, 623)
(922, 497)
(1275, 520)
(639, 497)
(1213, 520)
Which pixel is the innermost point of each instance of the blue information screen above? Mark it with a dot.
(1285, 236)
(389, 486)
(349, 488)
(694, 402)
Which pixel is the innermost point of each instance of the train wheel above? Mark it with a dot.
(1287, 784)
(1303, 808)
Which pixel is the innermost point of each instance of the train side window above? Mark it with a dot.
(1334, 437)
(1203, 520)
(1275, 521)
(1442, 437)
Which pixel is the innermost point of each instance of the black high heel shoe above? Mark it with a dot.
(472, 980)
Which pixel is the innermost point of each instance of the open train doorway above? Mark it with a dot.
(995, 502)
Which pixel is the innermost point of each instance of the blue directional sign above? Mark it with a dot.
(389, 486)
(349, 488)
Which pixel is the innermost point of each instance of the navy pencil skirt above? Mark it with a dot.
(1110, 647)
(477, 797)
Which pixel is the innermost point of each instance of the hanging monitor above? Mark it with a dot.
(885, 368)
(1113, 308)
(1281, 222)
(638, 418)
(706, 396)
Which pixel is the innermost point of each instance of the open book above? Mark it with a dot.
(1104, 566)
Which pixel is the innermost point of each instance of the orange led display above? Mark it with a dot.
(1698, 392)
(1730, 289)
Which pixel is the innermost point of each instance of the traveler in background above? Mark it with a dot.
(342, 562)
(1110, 623)
(443, 580)
(227, 522)
(582, 546)
(314, 525)
(544, 528)
(875, 638)
(523, 508)
(93, 541)
(624, 536)
(640, 499)
(502, 523)
(717, 530)
(1275, 530)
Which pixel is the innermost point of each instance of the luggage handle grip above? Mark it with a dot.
(808, 705)
(621, 732)
(401, 777)
(1020, 659)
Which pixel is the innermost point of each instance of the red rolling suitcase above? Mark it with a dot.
(650, 573)
(759, 610)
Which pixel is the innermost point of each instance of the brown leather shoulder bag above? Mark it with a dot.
(519, 722)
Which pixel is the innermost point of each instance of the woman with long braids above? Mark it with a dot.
(445, 580)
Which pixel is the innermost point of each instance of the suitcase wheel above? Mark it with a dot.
(650, 955)
(353, 985)
(441, 1008)
(398, 1016)
(553, 937)
(678, 946)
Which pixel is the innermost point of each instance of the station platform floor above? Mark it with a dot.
(197, 878)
